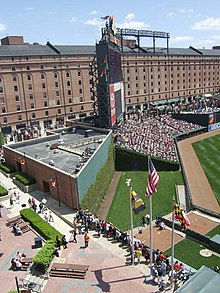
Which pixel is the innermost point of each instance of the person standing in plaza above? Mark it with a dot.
(74, 235)
(58, 242)
(86, 239)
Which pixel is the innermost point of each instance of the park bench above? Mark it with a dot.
(25, 227)
(15, 220)
(68, 270)
(26, 261)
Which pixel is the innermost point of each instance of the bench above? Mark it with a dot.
(67, 274)
(71, 267)
(12, 221)
(68, 270)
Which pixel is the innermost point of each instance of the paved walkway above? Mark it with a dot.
(110, 268)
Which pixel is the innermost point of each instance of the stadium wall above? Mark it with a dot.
(87, 177)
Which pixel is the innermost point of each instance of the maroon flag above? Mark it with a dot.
(53, 183)
(153, 180)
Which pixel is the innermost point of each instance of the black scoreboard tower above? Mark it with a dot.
(110, 88)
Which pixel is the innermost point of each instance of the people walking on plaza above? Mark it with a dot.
(46, 217)
(58, 242)
(11, 201)
(86, 239)
(147, 219)
(50, 217)
(153, 272)
(64, 241)
(74, 235)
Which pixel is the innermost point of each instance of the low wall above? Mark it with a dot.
(24, 188)
(204, 240)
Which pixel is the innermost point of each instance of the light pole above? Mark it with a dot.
(128, 183)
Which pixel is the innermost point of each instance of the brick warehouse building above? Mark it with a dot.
(60, 162)
(48, 84)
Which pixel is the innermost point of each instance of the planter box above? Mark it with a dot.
(24, 188)
(9, 175)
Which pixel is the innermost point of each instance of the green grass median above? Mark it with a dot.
(119, 213)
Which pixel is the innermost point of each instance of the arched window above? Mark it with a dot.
(28, 77)
(14, 78)
(55, 75)
(32, 105)
(42, 76)
(67, 74)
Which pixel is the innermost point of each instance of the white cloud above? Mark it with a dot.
(182, 39)
(183, 10)
(74, 19)
(207, 24)
(2, 27)
(215, 37)
(94, 22)
(93, 12)
(171, 13)
(29, 8)
(130, 16)
(135, 25)
(204, 43)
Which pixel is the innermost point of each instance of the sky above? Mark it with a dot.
(71, 22)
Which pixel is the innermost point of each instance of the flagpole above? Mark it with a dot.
(128, 182)
(151, 236)
(172, 246)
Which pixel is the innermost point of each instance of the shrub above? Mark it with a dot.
(39, 225)
(2, 139)
(6, 168)
(44, 257)
(25, 179)
(3, 191)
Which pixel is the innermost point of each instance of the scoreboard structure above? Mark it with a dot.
(110, 89)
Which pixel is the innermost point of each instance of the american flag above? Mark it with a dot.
(153, 180)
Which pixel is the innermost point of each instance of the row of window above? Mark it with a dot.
(182, 66)
(172, 94)
(33, 115)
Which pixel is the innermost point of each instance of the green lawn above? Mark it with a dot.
(119, 213)
(187, 251)
(207, 151)
(213, 232)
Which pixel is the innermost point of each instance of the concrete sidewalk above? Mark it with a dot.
(63, 218)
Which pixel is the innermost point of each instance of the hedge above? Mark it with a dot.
(7, 168)
(3, 191)
(2, 139)
(44, 257)
(129, 160)
(25, 179)
(96, 193)
(40, 225)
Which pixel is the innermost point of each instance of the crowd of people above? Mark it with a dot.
(152, 135)
(16, 262)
